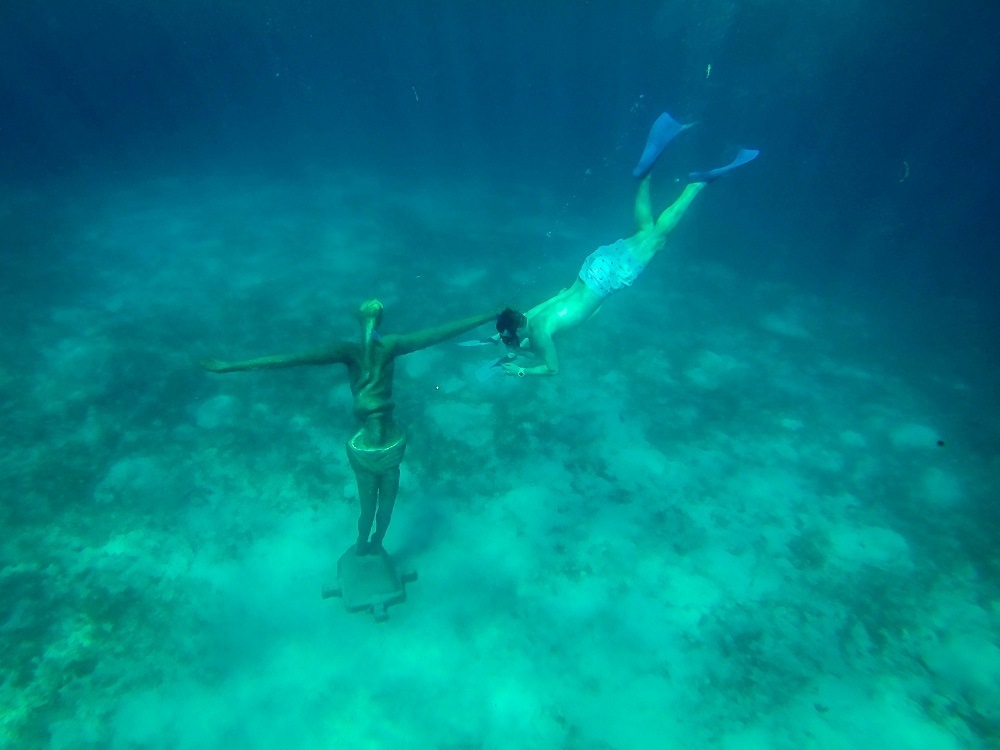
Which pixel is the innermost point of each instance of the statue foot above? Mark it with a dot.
(362, 547)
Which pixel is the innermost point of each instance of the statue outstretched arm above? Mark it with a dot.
(411, 342)
(336, 354)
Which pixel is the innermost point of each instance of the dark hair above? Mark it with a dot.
(509, 321)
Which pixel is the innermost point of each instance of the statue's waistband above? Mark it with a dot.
(375, 460)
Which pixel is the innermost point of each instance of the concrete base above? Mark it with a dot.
(369, 583)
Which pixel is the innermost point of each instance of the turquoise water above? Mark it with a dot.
(755, 509)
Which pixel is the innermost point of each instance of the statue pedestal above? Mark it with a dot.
(369, 583)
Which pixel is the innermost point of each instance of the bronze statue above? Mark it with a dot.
(376, 449)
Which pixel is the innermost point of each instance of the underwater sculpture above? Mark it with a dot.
(376, 449)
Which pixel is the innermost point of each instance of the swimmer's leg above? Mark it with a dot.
(669, 218)
(662, 132)
(675, 211)
(742, 157)
(643, 206)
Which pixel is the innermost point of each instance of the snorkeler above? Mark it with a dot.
(376, 449)
(609, 268)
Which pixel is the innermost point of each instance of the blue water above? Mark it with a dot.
(757, 506)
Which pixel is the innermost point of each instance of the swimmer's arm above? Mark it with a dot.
(545, 348)
(536, 370)
(410, 342)
(336, 354)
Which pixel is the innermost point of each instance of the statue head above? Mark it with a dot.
(370, 317)
(370, 310)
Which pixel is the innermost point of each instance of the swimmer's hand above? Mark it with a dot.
(512, 368)
(214, 365)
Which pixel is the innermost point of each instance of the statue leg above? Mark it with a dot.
(368, 494)
(377, 471)
(388, 489)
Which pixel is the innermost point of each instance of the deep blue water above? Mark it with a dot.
(838, 96)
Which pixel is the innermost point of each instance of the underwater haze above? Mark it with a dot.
(755, 508)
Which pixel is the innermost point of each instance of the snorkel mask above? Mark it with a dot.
(507, 324)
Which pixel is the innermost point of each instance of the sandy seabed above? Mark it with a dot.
(727, 523)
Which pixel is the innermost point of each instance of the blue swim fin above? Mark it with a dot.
(742, 157)
(662, 132)
(487, 372)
